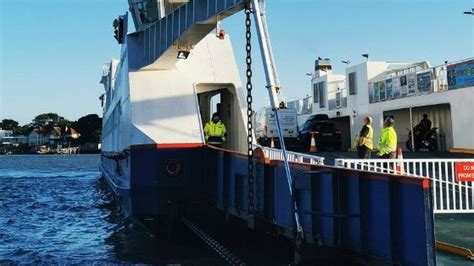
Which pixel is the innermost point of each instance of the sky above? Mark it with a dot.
(52, 51)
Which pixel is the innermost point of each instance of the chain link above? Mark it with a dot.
(248, 61)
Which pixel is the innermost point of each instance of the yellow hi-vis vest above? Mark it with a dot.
(388, 140)
(215, 130)
(369, 139)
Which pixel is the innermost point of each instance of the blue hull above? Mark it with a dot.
(377, 218)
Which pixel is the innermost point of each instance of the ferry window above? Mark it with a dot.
(389, 88)
(142, 12)
(378, 86)
(371, 92)
(321, 94)
(411, 83)
(403, 80)
(338, 99)
(352, 83)
(147, 11)
(424, 82)
(382, 90)
(316, 92)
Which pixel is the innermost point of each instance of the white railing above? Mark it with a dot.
(449, 196)
(295, 157)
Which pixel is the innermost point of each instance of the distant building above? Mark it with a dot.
(37, 137)
(5, 133)
(54, 136)
(69, 136)
(403, 91)
(15, 140)
(71, 133)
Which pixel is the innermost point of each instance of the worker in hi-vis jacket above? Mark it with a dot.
(366, 135)
(388, 140)
(215, 131)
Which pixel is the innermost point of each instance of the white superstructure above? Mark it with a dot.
(170, 106)
(382, 89)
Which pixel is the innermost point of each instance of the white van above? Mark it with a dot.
(266, 128)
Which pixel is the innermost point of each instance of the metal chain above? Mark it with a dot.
(223, 252)
(248, 60)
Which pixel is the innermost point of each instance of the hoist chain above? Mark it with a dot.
(248, 60)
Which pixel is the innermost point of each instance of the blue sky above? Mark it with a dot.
(51, 51)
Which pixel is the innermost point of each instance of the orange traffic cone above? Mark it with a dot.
(313, 148)
(400, 169)
(272, 143)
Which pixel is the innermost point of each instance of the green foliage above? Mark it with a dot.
(90, 128)
(47, 119)
(21, 130)
(9, 124)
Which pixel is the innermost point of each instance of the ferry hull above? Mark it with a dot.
(369, 217)
(163, 180)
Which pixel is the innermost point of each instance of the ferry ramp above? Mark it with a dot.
(453, 199)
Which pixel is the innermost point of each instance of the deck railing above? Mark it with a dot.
(295, 157)
(449, 195)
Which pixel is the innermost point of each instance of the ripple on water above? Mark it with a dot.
(55, 210)
(49, 213)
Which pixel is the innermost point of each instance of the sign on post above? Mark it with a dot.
(465, 172)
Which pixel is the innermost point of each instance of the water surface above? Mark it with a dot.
(56, 209)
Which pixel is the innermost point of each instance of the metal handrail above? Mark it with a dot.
(294, 157)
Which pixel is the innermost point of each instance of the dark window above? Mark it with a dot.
(316, 92)
(403, 81)
(321, 94)
(338, 99)
(352, 83)
(306, 126)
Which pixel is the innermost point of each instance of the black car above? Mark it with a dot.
(326, 135)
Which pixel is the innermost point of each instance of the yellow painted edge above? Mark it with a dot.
(460, 150)
(453, 249)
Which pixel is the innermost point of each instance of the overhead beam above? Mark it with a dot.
(181, 29)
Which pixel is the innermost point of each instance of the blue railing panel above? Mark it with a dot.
(349, 203)
(163, 44)
(377, 212)
(323, 202)
(220, 6)
(200, 10)
(176, 17)
(182, 19)
(189, 14)
(212, 8)
(381, 217)
(409, 229)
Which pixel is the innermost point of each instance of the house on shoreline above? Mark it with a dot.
(40, 138)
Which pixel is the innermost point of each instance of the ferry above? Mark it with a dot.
(172, 72)
(156, 105)
(404, 91)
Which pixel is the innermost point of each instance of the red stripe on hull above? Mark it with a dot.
(167, 146)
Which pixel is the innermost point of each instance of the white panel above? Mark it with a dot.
(163, 102)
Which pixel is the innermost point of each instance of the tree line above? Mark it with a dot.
(89, 126)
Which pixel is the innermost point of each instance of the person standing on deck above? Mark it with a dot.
(424, 125)
(366, 136)
(215, 131)
(388, 140)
